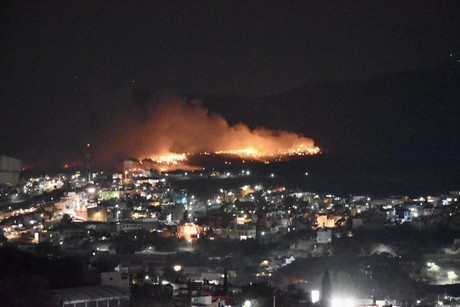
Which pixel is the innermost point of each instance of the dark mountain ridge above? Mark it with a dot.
(402, 128)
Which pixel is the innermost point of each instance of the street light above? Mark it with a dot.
(315, 296)
(177, 268)
(433, 267)
(452, 276)
(342, 302)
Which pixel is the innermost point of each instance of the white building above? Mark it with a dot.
(128, 226)
(243, 232)
(91, 296)
(206, 301)
(115, 279)
(324, 236)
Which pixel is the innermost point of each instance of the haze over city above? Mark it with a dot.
(307, 133)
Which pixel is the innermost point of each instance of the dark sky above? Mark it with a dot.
(62, 63)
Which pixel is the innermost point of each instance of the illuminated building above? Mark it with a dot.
(81, 212)
(324, 236)
(97, 214)
(243, 232)
(91, 296)
(240, 220)
(189, 231)
(326, 221)
(206, 301)
(68, 203)
(110, 194)
(174, 213)
(128, 226)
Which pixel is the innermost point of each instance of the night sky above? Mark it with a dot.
(217, 46)
(67, 67)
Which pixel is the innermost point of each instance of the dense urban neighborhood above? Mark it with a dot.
(230, 153)
(143, 238)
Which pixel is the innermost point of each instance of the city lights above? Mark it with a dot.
(91, 190)
(432, 267)
(177, 268)
(230, 154)
(342, 302)
(315, 296)
(452, 276)
(265, 154)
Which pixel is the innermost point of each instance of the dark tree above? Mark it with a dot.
(170, 274)
(225, 282)
(3, 239)
(66, 220)
(105, 263)
(185, 217)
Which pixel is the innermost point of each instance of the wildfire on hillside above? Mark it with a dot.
(175, 129)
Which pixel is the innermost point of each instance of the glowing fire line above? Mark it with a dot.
(169, 159)
(254, 153)
(172, 159)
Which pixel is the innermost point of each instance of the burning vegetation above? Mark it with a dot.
(175, 129)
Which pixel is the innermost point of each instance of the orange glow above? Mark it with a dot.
(174, 160)
(189, 231)
(241, 220)
(176, 128)
(326, 221)
(169, 159)
(267, 155)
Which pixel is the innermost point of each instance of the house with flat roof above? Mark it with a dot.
(91, 296)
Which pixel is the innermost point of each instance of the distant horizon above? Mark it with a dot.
(405, 120)
(292, 174)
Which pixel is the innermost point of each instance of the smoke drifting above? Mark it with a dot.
(177, 126)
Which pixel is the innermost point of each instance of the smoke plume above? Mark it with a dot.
(176, 125)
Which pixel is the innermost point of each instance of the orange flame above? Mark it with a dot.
(267, 155)
(176, 128)
(169, 159)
